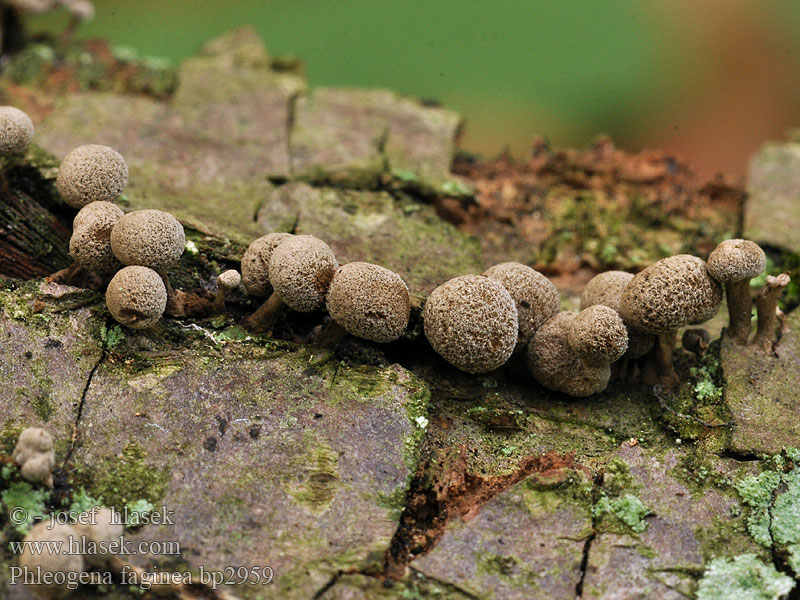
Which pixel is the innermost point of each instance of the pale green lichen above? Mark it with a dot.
(83, 502)
(628, 509)
(24, 505)
(758, 493)
(743, 577)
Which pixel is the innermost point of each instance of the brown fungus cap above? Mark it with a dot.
(536, 297)
(50, 567)
(300, 270)
(471, 322)
(554, 364)
(229, 279)
(369, 301)
(736, 260)
(669, 294)
(91, 173)
(606, 289)
(255, 263)
(148, 238)
(136, 297)
(90, 244)
(16, 130)
(34, 454)
(598, 335)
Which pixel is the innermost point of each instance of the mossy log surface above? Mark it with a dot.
(377, 471)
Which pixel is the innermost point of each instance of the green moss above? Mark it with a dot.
(628, 509)
(743, 577)
(617, 477)
(128, 477)
(32, 502)
(315, 478)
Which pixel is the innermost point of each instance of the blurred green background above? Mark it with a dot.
(710, 79)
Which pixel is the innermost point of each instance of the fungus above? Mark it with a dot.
(553, 362)
(767, 306)
(471, 321)
(735, 263)
(90, 244)
(154, 239)
(227, 282)
(91, 173)
(16, 130)
(255, 263)
(300, 270)
(606, 289)
(669, 294)
(100, 526)
(597, 335)
(148, 238)
(536, 297)
(35, 456)
(136, 297)
(369, 301)
(47, 567)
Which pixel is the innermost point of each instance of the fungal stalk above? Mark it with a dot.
(767, 306)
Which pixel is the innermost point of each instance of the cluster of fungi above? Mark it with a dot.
(475, 322)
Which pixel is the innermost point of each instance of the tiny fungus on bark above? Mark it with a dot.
(35, 456)
(91, 173)
(148, 238)
(597, 335)
(16, 130)
(54, 567)
(767, 306)
(606, 289)
(553, 362)
(136, 297)
(536, 297)
(101, 527)
(369, 301)
(696, 340)
(300, 270)
(227, 282)
(471, 321)
(735, 263)
(255, 263)
(154, 239)
(669, 294)
(90, 244)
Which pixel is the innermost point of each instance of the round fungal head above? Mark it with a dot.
(100, 526)
(255, 263)
(91, 173)
(90, 244)
(670, 293)
(534, 294)
(736, 260)
(606, 289)
(229, 279)
(300, 270)
(597, 335)
(148, 238)
(16, 130)
(471, 322)
(136, 297)
(369, 301)
(554, 364)
(51, 565)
